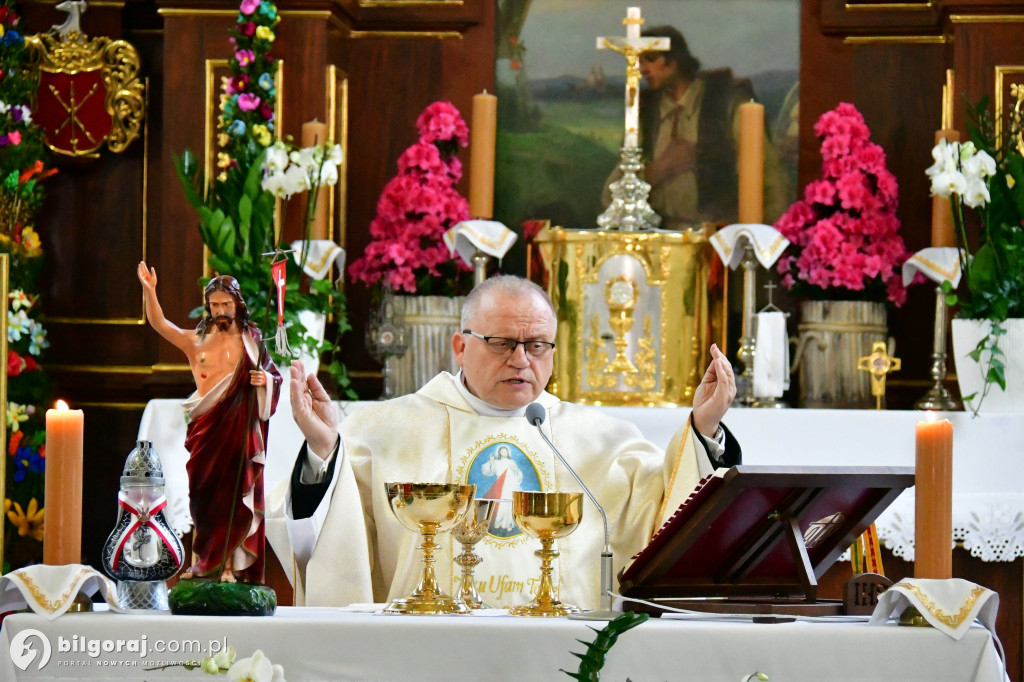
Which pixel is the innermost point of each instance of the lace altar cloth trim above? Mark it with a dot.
(990, 525)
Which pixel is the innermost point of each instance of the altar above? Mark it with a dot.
(988, 483)
(320, 644)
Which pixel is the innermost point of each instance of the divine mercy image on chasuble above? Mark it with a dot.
(498, 467)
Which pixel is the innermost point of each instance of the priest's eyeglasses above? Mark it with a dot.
(501, 345)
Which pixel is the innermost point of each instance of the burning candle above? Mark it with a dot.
(315, 133)
(482, 139)
(933, 515)
(751, 163)
(62, 531)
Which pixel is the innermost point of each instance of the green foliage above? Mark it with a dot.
(22, 157)
(594, 658)
(993, 285)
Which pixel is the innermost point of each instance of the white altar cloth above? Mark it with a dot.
(331, 645)
(988, 480)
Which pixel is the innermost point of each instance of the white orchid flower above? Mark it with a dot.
(276, 159)
(335, 155)
(275, 183)
(208, 666)
(967, 150)
(258, 668)
(278, 673)
(976, 193)
(949, 182)
(296, 180)
(980, 164)
(328, 174)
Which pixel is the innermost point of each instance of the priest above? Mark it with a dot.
(346, 546)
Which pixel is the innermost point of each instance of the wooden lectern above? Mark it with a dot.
(756, 539)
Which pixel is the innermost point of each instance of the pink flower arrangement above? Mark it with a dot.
(416, 208)
(844, 232)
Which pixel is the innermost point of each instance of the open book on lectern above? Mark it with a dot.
(762, 532)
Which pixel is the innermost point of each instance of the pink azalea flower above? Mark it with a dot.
(249, 6)
(14, 137)
(248, 101)
(844, 233)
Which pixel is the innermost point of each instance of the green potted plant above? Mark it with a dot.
(237, 209)
(986, 174)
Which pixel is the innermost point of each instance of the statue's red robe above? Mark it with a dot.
(227, 449)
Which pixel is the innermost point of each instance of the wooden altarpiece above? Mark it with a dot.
(757, 539)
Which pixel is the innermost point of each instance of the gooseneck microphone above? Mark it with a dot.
(536, 415)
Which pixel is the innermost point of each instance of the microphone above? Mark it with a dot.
(536, 415)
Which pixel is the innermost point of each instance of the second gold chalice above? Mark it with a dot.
(429, 509)
(546, 516)
(469, 531)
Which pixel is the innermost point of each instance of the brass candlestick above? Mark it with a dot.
(429, 509)
(547, 516)
(937, 397)
(469, 531)
(748, 344)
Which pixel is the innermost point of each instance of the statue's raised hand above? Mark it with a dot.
(147, 276)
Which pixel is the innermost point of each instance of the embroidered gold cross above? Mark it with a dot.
(879, 363)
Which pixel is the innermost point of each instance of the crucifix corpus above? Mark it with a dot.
(632, 47)
(629, 210)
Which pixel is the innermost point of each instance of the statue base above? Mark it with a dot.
(199, 597)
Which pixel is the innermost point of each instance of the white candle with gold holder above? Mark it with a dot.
(547, 516)
(629, 210)
(748, 244)
(469, 531)
(880, 363)
(428, 509)
(637, 312)
(939, 264)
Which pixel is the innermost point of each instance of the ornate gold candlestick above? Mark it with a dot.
(429, 509)
(547, 516)
(469, 531)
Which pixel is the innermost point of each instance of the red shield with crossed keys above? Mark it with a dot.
(72, 111)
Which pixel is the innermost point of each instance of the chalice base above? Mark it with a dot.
(544, 609)
(421, 605)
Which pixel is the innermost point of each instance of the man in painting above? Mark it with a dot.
(689, 132)
(237, 388)
(348, 547)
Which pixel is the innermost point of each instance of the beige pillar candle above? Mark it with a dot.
(933, 514)
(943, 230)
(315, 133)
(62, 529)
(482, 138)
(751, 163)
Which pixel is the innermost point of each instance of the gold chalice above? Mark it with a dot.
(546, 516)
(469, 531)
(429, 509)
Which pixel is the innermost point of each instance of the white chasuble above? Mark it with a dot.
(362, 553)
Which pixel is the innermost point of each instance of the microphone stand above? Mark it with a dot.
(605, 611)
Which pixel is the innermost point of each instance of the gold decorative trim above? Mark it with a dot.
(410, 3)
(441, 35)
(1002, 74)
(890, 6)
(985, 18)
(122, 321)
(52, 605)
(953, 620)
(113, 405)
(118, 63)
(909, 40)
(174, 12)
